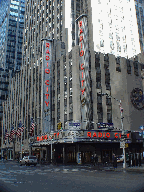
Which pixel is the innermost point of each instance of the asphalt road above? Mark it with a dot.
(14, 178)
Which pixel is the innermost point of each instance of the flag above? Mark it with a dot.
(18, 133)
(12, 133)
(22, 128)
(32, 127)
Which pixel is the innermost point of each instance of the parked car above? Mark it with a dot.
(120, 158)
(28, 160)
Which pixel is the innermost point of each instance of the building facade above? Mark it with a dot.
(74, 97)
(118, 78)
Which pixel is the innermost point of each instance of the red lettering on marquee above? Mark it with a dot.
(89, 134)
(47, 95)
(47, 89)
(57, 134)
(47, 71)
(47, 103)
(107, 135)
(103, 135)
(46, 82)
(81, 53)
(83, 91)
(45, 137)
(128, 134)
(116, 135)
(119, 135)
(81, 45)
(47, 57)
(99, 134)
(94, 134)
(47, 51)
(54, 134)
(47, 64)
(37, 138)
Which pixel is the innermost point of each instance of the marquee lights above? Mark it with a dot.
(88, 134)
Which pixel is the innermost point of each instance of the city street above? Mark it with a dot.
(70, 178)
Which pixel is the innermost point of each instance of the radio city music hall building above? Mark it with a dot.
(66, 88)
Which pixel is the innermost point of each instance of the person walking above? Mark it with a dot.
(129, 160)
(115, 162)
(92, 159)
(113, 159)
(139, 159)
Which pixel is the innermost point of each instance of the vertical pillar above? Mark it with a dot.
(63, 154)
(41, 154)
(14, 150)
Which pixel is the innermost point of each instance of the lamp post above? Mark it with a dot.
(122, 127)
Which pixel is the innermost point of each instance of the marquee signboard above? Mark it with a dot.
(80, 135)
(46, 88)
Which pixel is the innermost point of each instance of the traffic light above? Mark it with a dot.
(59, 126)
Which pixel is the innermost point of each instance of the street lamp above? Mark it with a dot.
(121, 111)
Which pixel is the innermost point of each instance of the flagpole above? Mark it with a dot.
(21, 141)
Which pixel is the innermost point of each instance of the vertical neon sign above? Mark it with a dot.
(82, 41)
(46, 86)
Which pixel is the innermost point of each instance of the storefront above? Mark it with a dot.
(70, 145)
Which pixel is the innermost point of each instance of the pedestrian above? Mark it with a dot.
(129, 160)
(139, 159)
(136, 157)
(92, 159)
(133, 161)
(96, 159)
(103, 160)
(115, 161)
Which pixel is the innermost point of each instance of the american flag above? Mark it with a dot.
(32, 127)
(18, 133)
(12, 133)
(22, 128)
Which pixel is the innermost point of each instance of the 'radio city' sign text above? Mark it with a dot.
(105, 135)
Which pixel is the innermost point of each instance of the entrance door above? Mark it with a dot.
(106, 155)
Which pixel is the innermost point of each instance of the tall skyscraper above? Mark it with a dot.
(139, 6)
(11, 35)
(11, 38)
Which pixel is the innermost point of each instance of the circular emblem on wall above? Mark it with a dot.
(137, 98)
